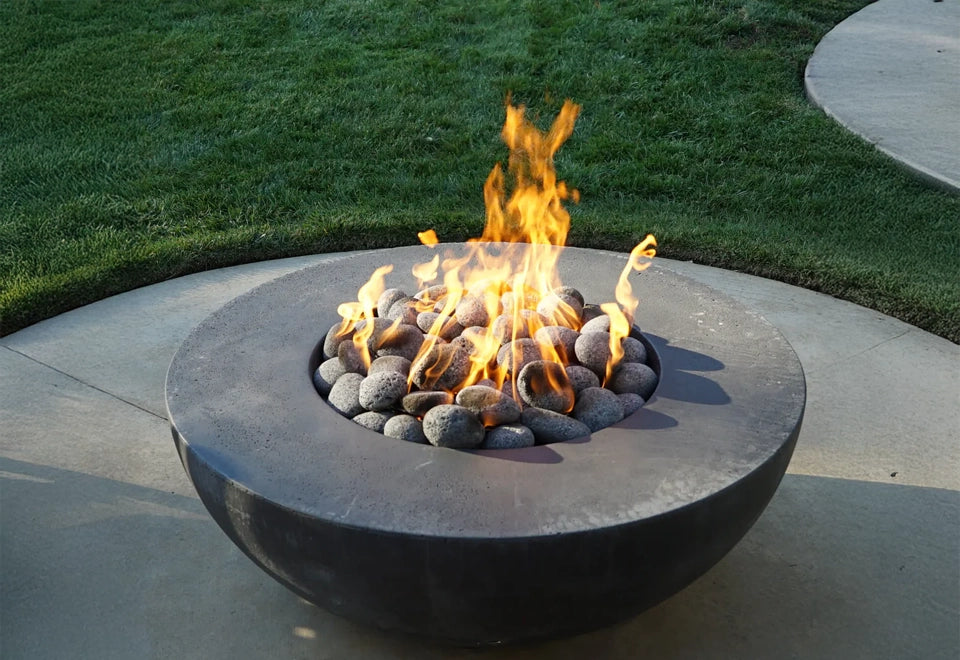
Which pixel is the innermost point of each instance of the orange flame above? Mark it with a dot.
(622, 314)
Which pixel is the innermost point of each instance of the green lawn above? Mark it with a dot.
(144, 140)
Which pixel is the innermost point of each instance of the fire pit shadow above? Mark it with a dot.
(464, 546)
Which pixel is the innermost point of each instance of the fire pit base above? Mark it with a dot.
(489, 546)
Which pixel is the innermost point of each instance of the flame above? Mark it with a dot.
(503, 287)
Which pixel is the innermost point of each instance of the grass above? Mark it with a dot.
(141, 141)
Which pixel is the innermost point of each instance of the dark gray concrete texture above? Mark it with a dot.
(106, 551)
(891, 74)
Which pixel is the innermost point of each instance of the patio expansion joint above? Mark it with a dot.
(83, 382)
(870, 348)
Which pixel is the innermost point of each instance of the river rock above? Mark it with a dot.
(562, 339)
(327, 374)
(633, 377)
(491, 406)
(598, 408)
(593, 351)
(405, 427)
(382, 390)
(544, 384)
(631, 403)
(345, 395)
(373, 420)
(581, 378)
(508, 436)
(549, 426)
(452, 426)
(418, 403)
(396, 363)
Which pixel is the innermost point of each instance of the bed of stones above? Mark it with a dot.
(419, 398)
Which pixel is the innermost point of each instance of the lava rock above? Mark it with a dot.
(561, 309)
(633, 350)
(387, 299)
(491, 406)
(373, 420)
(396, 363)
(549, 426)
(593, 351)
(452, 426)
(598, 408)
(418, 403)
(514, 355)
(487, 382)
(599, 323)
(332, 340)
(405, 427)
(590, 312)
(544, 384)
(477, 310)
(380, 326)
(345, 395)
(581, 378)
(443, 366)
(631, 403)
(633, 377)
(570, 291)
(382, 390)
(508, 436)
(403, 341)
(444, 326)
(431, 294)
(503, 327)
(562, 339)
(327, 374)
(351, 359)
(405, 310)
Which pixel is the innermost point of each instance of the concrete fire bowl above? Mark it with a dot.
(484, 547)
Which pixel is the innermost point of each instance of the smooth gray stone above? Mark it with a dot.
(405, 427)
(452, 426)
(327, 374)
(396, 363)
(632, 377)
(387, 299)
(373, 420)
(381, 391)
(508, 436)
(593, 351)
(581, 378)
(549, 426)
(600, 323)
(544, 384)
(562, 339)
(489, 404)
(631, 403)
(345, 395)
(418, 403)
(598, 408)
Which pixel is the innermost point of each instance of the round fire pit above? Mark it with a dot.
(484, 546)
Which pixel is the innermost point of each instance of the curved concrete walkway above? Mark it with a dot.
(891, 74)
(106, 552)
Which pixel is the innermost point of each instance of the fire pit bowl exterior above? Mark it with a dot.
(497, 546)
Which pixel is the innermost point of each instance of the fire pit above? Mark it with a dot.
(484, 546)
(467, 541)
